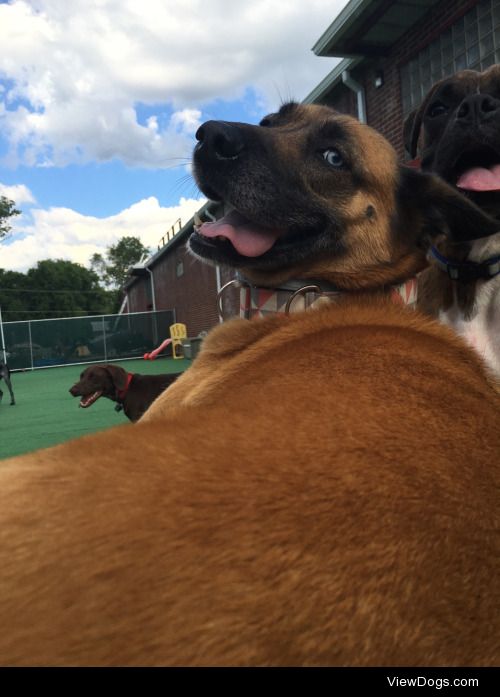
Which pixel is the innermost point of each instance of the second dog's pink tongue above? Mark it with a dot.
(480, 179)
(248, 239)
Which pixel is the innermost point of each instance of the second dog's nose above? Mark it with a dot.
(477, 107)
(223, 139)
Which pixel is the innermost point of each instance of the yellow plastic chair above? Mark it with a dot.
(178, 332)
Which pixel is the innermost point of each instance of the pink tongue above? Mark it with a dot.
(480, 179)
(248, 239)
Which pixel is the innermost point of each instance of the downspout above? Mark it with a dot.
(155, 323)
(152, 287)
(360, 94)
(124, 304)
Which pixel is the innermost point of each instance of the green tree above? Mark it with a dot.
(12, 297)
(99, 267)
(66, 289)
(7, 210)
(54, 288)
(113, 268)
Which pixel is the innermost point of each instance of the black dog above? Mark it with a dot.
(5, 374)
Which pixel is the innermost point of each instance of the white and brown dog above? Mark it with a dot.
(460, 122)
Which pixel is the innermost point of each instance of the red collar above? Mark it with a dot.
(121, 394)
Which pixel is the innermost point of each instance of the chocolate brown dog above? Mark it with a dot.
(460, 123)
(132, 392)
(318, 489)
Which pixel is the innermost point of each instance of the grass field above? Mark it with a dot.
(45, 413)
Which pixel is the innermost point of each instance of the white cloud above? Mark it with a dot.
(18, 193)
(77, 70)
(62, 233)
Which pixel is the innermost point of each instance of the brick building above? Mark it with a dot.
(393, 51)
(173, 278)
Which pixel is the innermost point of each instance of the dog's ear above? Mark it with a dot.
(413, 122)
(411, 132)
(118, 376)
(437, 209)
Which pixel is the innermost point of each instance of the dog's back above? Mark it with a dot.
(343, 510)
(143, 390)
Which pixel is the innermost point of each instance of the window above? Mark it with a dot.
(179, 269)
(472, 42)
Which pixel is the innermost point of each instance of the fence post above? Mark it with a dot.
(104, 339)
(31, 345)
(3, 338)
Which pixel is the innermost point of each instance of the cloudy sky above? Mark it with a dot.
(100, 100)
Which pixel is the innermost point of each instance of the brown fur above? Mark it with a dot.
(368, 223)
(361, 200)
(348, 516)
(319, 489)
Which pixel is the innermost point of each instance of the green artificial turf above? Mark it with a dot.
(45, 413)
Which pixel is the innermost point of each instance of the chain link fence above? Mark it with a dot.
(56, 342)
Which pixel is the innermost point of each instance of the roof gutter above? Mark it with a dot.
(328, 83)
(340, 25)
(351, 83)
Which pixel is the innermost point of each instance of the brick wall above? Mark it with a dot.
(192, 294)
(383, 105)
(139, 297)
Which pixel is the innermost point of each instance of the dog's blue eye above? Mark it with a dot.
(333, 157)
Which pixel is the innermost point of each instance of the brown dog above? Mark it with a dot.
(318, 489)
(460, 123)
(132, 392)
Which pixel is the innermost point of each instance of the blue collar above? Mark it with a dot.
(467, 270)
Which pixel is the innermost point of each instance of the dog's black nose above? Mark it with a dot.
(221, 138)
(476, 107)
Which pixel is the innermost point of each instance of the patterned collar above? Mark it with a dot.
(295, 296)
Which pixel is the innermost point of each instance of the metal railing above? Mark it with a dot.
(165, 239)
